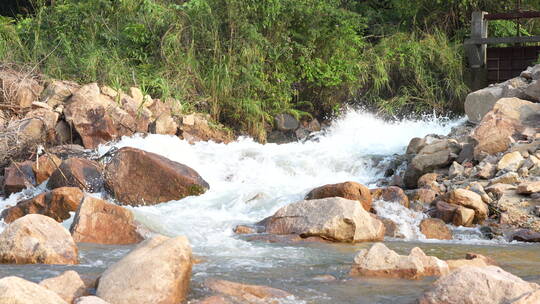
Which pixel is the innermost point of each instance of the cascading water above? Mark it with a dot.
(250, 181)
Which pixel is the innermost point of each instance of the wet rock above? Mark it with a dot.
(18, 88)
(243, 229)
(157, 271)
(506, 178)
(479, 284)
(439, 154)
(18, 176)
(37, 239)
(45, 166)
(455, 170)
(429, 181)
(14, 290)
(286, 122)
(100, 222)
(510, 161)
(424, 196)
(379, 261)
(525, 235)
(391, 194)
(68, 286)
(246, 293)
(285, 239)
(77, 172)
(532, 297)
(390, 228)
(415, 145)
(89, 300)
(454, 214)
(528, 187)
(56, 204)
(158, 178)
(212, 300)
(325, 278)
(348, 190)
(471, 259)
(335, 219)
(470, 200)
(434, 228)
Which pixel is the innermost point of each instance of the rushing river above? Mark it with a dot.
(250, 181)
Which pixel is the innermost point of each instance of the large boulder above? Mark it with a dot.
(56, 204)
(249, 294)
(434, 228)
(18, 89)
(439, 153)
(14, 290)
(469, 199)
(68, 285)
(349, 190)
(97, 118)
(478, 103)
(157, 271)
(37, 239)
(510, 116)
(379, 261)
(336, 219)
(18, 176)
(159, 179)
(98, 221)
(477, 285)
(453, 214)
(77, 172)
(391, 194)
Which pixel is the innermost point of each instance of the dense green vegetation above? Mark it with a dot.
(244, 61)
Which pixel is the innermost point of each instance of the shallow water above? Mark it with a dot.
(250, 181)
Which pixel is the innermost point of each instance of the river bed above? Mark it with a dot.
(250, 181)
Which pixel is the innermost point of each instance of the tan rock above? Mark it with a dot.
(68, 285)
(379, 261)
(528, 187)
(429, 181)
(532, 297)
(14, 290)
(348, 190)
(77, 172)
(510, 161)
(243, 229)
(470, 200)
(434, 228)
(212, 300)
(246, 293)
(157, 271)
(56, 204)
(486, 170)
(164, 125)
(158, 178)
(335, 219)
(98, 221)
(471, 259)
(47, 117)
(37, 239)
(507, 178)
(424, 196)
(90, 300)
(136, 94)
(45, 166)
(391, 194)
(57, 92)
(479, 285)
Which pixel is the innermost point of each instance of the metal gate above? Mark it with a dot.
(504, 63)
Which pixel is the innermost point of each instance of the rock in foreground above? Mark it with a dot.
(157, 271)
(379, 261)
(14, 290)
(136, 177)
(37, 239)
(477, 285)
(100, 222)
(336, 219)
(349, 190)
(68, 285)
(246, 293)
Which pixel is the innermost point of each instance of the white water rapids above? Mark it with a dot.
(250, 181)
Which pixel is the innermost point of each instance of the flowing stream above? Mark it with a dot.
(250, 181)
